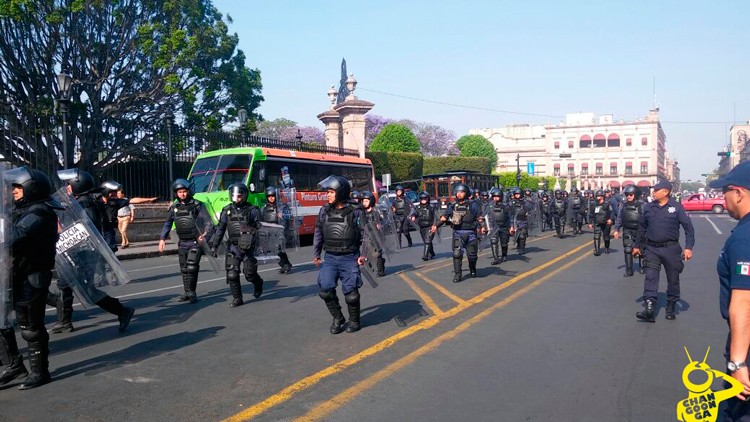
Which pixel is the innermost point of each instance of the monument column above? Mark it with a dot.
(332, 120)
(352, 114)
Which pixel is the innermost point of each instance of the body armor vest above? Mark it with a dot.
(500, 214)
(241, 230)
(575, 201)
(184, 220)
(425, 215)
(270, 214)
(463, 218)
(518, 206)
(601, 213)
(94, 209)
(631, 214)
(558, 205)
(400, 205)
(340, 234)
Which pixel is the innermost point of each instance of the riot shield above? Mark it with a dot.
(6, 270)
(371, 249)
(291, 218)
(375, 236)
(84, 261)
(491, 229)
(535, 218)
(388, 223)
(269, 241)
(205, 230)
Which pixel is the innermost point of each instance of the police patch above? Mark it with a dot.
(671, 210)
(743, 268)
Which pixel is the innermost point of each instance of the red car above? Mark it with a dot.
(700, 202)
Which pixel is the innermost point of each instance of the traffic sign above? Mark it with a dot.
(530, 169)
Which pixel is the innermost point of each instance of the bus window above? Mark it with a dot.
(215, 174)
(203, 172)
(258, 176)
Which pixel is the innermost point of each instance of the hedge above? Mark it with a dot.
(401, 165)
(433, 165)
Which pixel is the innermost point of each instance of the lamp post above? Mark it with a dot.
(518, 170)
(299, 139)
(242, 115)
(169, 122)
(64, 83)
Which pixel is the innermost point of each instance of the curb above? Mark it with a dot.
(146, 254)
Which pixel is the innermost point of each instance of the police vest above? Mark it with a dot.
(558, 205)
(400, 205)
(631, 215)
(500, 214)
(240, 227)
(340, 234)
(601, 212)
(463, 218)
(269, 214)
(184, 219)
(425, 215)
(575, 201)
(520, 209)
(94, 209)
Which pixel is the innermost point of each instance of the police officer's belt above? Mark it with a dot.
(662, 244)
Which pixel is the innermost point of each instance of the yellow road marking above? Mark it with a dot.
(328, 406)
(440, 288)
(426, 299)
(311, 380)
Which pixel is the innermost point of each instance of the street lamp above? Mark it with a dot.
(64, 83)
(518, 170)
(299, 139)
(169, 122)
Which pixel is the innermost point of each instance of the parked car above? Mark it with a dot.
(701, 202)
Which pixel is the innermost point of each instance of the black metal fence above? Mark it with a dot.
(34, 139)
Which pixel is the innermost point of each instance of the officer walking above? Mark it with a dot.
(601, 215)
(371, 215)
(626, 226)
(659, 231)
(545, 207)
(499, 215)
(33, 237)
(520, 209)
(192, 224)
(339, 233)
(559, 210)
(464, 215)
(734, 281)
(402, 209)
(576, 204)
(424, 216)
(273, 212)
(242, 220)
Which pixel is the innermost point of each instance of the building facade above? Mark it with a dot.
(738, 148)
(592, 152)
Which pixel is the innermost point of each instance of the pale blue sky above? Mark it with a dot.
(541, 57)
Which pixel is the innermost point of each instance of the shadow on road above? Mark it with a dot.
(403, 313)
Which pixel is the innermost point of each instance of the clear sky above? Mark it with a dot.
(537, 57)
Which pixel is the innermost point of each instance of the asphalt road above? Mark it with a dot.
(548, 336)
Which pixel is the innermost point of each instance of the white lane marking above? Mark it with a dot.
(152, 268)
(712, 224)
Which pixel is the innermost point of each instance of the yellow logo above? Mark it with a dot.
(702, 403)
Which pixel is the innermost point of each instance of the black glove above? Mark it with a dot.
(213, 252)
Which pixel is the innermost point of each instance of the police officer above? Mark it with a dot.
(242, 220)
(192, 224)
(734, 280)
(545, 207)
(577, 210)
(627, 226)
(499, 215)
(356, 198)
(402, 209)
(273, 212)
(32, 241)
(659, 231)
(484, 201)
(371, 215)
(112, 204)
(601, 216)
(520, 209)
(424, 217)
(464, 215)
(339, 233)
(559, 210)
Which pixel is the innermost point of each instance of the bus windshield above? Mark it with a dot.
(214, 174)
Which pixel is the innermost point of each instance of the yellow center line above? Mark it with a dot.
(311, 380)
(440, 288)
(426, 299)
(328, 406)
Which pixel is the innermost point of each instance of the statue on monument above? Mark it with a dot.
(343, 91)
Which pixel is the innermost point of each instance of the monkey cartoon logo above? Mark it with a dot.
(702, 403)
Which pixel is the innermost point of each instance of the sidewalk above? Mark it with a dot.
(147, 249)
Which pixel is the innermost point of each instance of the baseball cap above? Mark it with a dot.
(663, 184)
(738, 176)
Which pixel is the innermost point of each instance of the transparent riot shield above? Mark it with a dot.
(375, 236)
(84, 261)
(491, 229)
(6, 270)
(269, 241)
(205, 230)
(371, 249)
(388, 223)
(535, 218)
(290, 216)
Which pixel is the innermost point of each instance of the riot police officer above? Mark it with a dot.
(339, 233)
(112, 204)
(545, 208)
(242, 220)
(559, 209)
(627, 221)
(356, 198)
(32, 241)
(192, 224)
(424, 217)
(402, 209)
(499, 215)
(484, 201)
(577, 210)
(601, 215)
(373, 216)
(521, 207)
(464, 215)
(273, 212)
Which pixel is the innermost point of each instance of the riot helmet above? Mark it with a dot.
(484, 194)
(574, 191)
(369, 196)
(515, 191)
(631, 190)
(339, 184)
(599, 193)
(183, 184)
(399, 188)
(527, 192)
(35, 184)
(424, 195)
(238, 193)
(81, 182)
(558, 193)
(356, 196)
(109, 187)
(496, 192)
(270, 191)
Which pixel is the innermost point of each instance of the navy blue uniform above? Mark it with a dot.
(659, 232)
(464, 217)
(339, 265)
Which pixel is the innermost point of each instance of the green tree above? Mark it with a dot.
(395, 137)
(477, 146)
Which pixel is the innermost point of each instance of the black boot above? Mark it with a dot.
(597, 251)
(670, 311)
(641, 268)
(332, 303)
(9, 356)
(559, 233)
(381, 266)
(522, 246)
(457, 269)
(352, 303)
(426, 252)
(64, 312)
(628, 265)
(113, 306)
(399, 241)
(236, 289)
(473, 268)
(284, 263)
(431, 252)
(648, 313)
(16, 369)
(495, 254)
(408, 238)
(192, 286)
(185, 296)
(39, 364)
(504, 256)
(606, 246)
(257, 286)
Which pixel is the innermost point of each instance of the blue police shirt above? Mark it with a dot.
(734, 264)
(662, 224)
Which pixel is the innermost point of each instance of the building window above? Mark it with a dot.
(599, 170)
(644, 168)
(557, 145)
(629, 169)
(613, 169)
(584, 171)
(600, 141)
(556, 171)
(629, 142)
(644, 141)
(570, 144)
(585, 142)
(571, 169)
(613, 141)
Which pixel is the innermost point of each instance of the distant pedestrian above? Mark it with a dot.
(125, 216)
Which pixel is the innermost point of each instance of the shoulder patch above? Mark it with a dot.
(742, 268)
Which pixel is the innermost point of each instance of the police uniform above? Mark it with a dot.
(545, 207)
(463, 215)
(627, 222)
(577, 207)
(273, 212)
(659, 231)
(520, 210)
(424, 216)
(499, 215)
(559, 208)
(113, 204)
(241, 221)
(601, 215)
(372, 216)
(401, 208)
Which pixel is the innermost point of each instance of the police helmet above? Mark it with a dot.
(574, 191)
(35, 184)
(177, 185)
(237, 189)
(424, 195)
(558, 193)
(527, 192)
(544, 195)
(496, 192)
(110, 186)
(460, 187)
(515, 191)
(356, 196)
(399, 188)
(632, 189)
(80, 181)
(484, 194)
(340, 185)
(270, 191)
(599, 193)
(368, 195)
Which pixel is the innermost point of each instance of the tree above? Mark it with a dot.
(131, 61)
(373, 125)
(395, 137)
(692, 185)
(435, 140)
(274, 129)
(477, 146)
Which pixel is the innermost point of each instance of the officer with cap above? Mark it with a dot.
(402, 209)
(559, 209)
(273, 212)
(626, 225)
(733, 268)
(499, 215)
(659, 231)
(339, 233)
(424, 217)
(464, 215)
(192, 224)
(242, 220)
